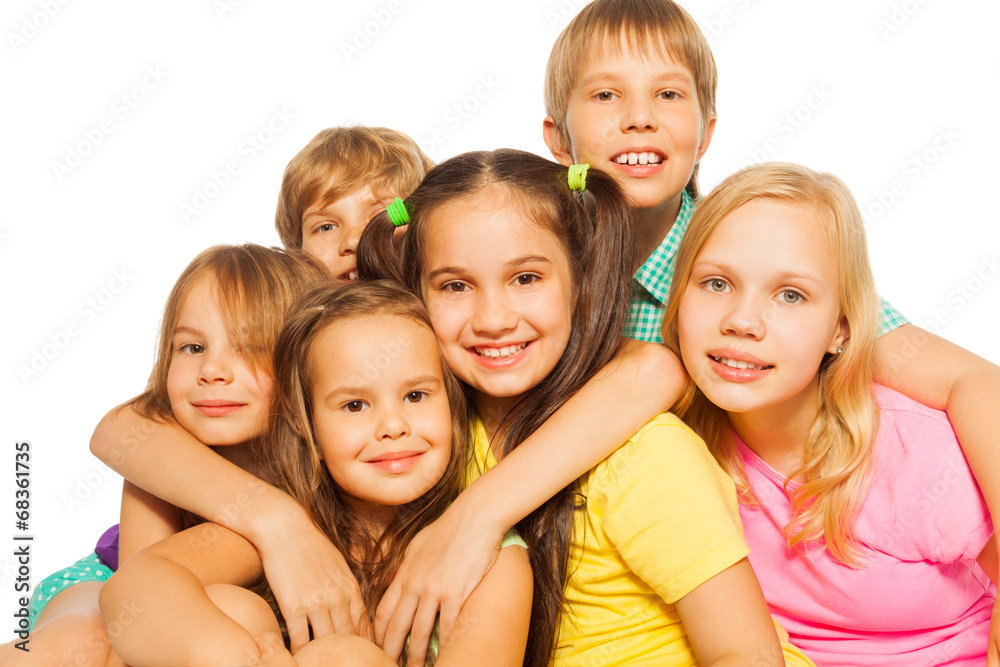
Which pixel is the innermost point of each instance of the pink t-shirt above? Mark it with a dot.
(921, 598)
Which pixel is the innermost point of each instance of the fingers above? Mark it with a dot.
(385, 610)
(298, 629)
(362, 623)
(450, 609)
(423, 625)
(398, 626)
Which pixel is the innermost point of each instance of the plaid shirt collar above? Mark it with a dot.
(657, 271)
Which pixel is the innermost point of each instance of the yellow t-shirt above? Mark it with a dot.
(661, 519)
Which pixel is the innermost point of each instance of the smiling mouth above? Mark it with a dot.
(216, 408)
(741, 365)
(644, 157)
(499, 352)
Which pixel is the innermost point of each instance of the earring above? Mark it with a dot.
(840, 349)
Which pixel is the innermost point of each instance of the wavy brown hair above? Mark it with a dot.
(595, 229)
(291, 458)
(836, 462)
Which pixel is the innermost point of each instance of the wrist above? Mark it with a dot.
(267, 516)
(474, 508)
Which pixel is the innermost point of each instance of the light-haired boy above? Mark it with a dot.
(341, 179)
(630, 88)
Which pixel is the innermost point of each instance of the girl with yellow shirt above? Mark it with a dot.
(641, 560)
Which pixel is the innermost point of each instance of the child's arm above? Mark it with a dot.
(163, 614)
(309, 577)
(449, 558)
(944, 376)
(145, 520)
(727, 620)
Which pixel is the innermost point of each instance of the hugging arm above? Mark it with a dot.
(449, 558)
(944, 376)
(310, 578)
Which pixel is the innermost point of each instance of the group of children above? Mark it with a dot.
(426, 464)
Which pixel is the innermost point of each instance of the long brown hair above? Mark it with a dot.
(836, 458)
(595, 228)
(291, 455)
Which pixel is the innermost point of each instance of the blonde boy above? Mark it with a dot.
(630, 88)
(337, 183)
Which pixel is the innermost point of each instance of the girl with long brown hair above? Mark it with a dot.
(527, 285)
(362, 435)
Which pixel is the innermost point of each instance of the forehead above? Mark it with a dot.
(772, 234)
(368, 348)
(632, 46)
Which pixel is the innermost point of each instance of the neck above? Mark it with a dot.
(654, 225)
(239, 455)
(492, 411)
(778, 434)
(375, 517)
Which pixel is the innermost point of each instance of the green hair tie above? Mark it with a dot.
(578, 177)
(398, 213)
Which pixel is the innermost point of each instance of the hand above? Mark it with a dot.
(312, 584)
(273, 652)
(442, 566)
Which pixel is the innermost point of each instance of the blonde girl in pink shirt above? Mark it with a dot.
(863, 518)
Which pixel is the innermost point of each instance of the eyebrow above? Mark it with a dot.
(666, 76)
(188, 330)
(708, 264)
(363, 390)
(512, 264)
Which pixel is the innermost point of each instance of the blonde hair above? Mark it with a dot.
(254, 287)
(387, 161)
(646, 26)
(836, 461)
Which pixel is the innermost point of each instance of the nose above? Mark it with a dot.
(216, 367)
(746, 318)
(639, 115)
(352, 233)
(493, 314)
(392, 422)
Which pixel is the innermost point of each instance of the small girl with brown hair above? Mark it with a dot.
(211, 378)
(362, 435)
(863, 518)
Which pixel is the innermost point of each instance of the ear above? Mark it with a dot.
(706, 137)
(841, 336)
(557, 144)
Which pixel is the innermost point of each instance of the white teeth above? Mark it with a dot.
(496, 352)
(733, 363)
(639, 158)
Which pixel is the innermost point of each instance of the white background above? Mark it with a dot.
(885, 78)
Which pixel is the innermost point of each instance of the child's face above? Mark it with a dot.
(380, 408)
(500, 293)
(761, 309)
(636, 117)
(330, 233)
(213, 393)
